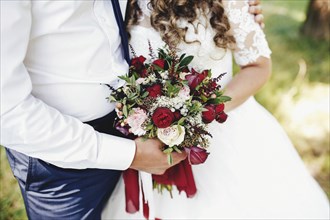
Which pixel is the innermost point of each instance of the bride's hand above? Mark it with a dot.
(150, 158)
(256, 9)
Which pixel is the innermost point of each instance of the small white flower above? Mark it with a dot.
(140, 81)
(173, 135)
(126, 90)
(184, 93)
(183, 75)
(164, 74)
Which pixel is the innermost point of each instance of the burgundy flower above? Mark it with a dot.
(124, 130)
(138, 64)
(213, 85)
(154, 90)
(209, 115)
(219, 108)
(195, 78)
(177, 115)
(185, 70)
(222, 117)
(196, 155)
(163, 117)
(160, 63)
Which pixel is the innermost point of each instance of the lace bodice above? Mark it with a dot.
(250, 40)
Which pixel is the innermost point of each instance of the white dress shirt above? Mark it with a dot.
(56, 57)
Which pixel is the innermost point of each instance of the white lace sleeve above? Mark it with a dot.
(250, 40)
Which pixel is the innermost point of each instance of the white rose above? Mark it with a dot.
(173, 135)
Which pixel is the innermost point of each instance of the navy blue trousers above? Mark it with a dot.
(50, 192)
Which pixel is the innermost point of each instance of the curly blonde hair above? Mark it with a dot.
(164, 19)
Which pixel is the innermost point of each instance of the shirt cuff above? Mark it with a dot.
(115, 153)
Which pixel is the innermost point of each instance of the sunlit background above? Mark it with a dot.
(297, 94)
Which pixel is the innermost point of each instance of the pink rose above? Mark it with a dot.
(136, 120)
(184, 93)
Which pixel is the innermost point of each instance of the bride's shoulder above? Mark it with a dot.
(235, 4)
(145, 7)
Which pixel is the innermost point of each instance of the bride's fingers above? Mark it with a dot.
(260, 20)
(255, 9)
(254, 2)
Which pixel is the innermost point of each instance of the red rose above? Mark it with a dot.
(196, 155)
(209, 115)
(160, 63)
(195, 78)
(138, 64)
(163, 117)
(154, 90)
(219, 108)
(222, 117)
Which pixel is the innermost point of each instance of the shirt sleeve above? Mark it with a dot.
(251, 41)
(30, 126)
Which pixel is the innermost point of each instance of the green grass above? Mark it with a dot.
(283, 21)
(11, 202)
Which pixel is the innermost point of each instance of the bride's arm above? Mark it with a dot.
(252, 54)
(247, 82)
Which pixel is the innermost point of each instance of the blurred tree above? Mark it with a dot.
(317, 20)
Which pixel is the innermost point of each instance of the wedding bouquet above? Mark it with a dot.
(166, 99)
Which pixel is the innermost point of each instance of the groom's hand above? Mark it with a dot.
(150, 158)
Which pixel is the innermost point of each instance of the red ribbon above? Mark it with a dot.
(180, 175)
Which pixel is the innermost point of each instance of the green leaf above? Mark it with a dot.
(112, 99)
(177, 149)
(125, 111)
(182, 56)
(158, 68)
(145, 94)
(169, 159)
(204, 98)
(168, 150)
(186, 60)
(181, 121)
(209, 73)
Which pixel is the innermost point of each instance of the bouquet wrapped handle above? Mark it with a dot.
(139, 186)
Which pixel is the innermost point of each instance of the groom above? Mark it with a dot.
(56, 59)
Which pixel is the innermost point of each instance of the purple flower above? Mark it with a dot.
(196, 155)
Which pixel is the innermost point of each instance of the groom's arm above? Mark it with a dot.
(30, 126)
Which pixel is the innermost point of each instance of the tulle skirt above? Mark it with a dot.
(253, 172)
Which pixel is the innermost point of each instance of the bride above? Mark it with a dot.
(253, 171)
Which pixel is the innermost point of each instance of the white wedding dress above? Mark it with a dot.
(253, 171)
